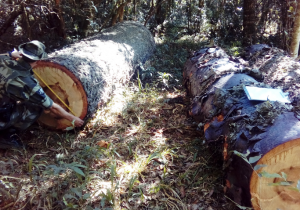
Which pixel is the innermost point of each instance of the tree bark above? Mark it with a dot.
(85, 74)
(268, 129)
(249, 23)
(26, 17)
(61, 27)
(159, 15)
(119, 13)
(153, 10)
(296, 34)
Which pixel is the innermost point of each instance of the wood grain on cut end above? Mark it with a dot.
(67, 87)
(283, 158)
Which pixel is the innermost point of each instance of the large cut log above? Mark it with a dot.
(252, 129)
(84, 75)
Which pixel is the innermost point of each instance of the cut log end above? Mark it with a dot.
(265, 192)
(64, 85)
(85, 74)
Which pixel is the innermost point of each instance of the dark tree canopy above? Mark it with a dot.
(57, 22)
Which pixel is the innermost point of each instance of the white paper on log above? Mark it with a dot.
(265, 94)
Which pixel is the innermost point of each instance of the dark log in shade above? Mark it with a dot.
(267, 129)
(85, 74)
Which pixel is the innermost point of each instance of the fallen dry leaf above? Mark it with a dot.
(102, 143)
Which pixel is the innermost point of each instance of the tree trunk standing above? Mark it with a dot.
(270, 129)
(134, 7)
(119, 13)
(26, 18)
(264, 13)
(295, 34)
(188, 12)
(61, 26)
(150, 13)
(159, 14)
(199, 14)
(249, 23)
(284, 20)
(153, 10)
(85, 74)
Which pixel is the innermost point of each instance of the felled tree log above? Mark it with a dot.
(269, 130)
(279, 70)
(85, 74)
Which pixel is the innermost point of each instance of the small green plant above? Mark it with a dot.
(139, 82)
(164, 78)
(113, 172)
(131, 182)
(235, 49)
(31, 164)
(265, 174)
(63, 167)
(107, 197)
(71, 127)
(69, 205)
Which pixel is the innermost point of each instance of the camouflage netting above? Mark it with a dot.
(107, 61)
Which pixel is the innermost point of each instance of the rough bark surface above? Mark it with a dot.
(215, 82)
(249, 22)
(107, 61)
(279, 70)
(296, 34)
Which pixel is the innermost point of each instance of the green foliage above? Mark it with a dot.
(107, 197)
(268, 175)
(235, 49)
(254, 159)
(113, 172)
(164, 78)
(63, 167)
(258, 166)
(71, 127)
(131, 182)
(265, 174)
(280, 183)
(30, 165)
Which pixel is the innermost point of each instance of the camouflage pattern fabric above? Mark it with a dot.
(18, 86)
(22, 116)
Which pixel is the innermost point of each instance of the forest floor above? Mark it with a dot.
(140, 151)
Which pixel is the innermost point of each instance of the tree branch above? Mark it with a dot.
(152, 12)
(11, 19)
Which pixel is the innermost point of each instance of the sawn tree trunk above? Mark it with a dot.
(267, 132)
(85, 74)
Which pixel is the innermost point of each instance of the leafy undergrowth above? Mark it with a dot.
(141, 151)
